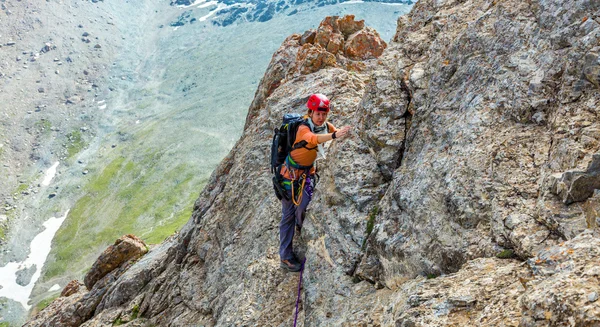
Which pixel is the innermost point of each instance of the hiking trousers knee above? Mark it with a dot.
(291, 215)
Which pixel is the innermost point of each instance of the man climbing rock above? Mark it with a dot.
(298, 172)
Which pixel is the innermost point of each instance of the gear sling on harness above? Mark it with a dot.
(290, 163)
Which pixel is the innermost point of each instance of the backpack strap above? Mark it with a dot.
(303, 143)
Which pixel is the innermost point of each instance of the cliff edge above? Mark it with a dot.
(466, 196)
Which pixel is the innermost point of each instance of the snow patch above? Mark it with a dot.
(54, 287)
(207, 16)
(199, 3)
(186, 6)
(102, 107)
(39, 250)
(50, 173)
(207, 4)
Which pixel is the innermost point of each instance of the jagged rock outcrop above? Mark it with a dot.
(76, 305)
(459, 127)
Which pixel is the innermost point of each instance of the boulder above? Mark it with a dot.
(24, 275)
(576, 186)
(312, 58)
(47, 48)
(349, 26)
(308, 37)
(364, 44)
(327, 29)
(126, 248)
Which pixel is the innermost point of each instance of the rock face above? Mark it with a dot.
(461, 127)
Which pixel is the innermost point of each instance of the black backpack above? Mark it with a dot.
(283, 143)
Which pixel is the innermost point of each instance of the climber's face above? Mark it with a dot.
(318, 117)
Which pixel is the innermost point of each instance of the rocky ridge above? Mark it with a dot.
(476, 133)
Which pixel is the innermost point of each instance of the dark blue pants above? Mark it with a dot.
(290, 216)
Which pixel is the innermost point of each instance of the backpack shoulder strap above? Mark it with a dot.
(303, 143)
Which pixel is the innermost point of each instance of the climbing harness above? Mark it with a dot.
(293, 168)
(299, 288)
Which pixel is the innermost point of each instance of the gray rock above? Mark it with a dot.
(577, 186)
(24, 275)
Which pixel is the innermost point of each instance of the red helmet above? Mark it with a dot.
(318, 102)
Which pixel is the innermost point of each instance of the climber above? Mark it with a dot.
(299, 171)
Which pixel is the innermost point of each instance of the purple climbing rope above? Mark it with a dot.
(299, 287)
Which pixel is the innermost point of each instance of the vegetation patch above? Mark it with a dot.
(22, 187)
(43, 126)
(370, 225)
(129, 196)
(119, 322)
(135, 311)
(45, 302)
(506, 254)
(431, 276)
(76, 143)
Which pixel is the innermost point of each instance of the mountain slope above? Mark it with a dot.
(475, 133)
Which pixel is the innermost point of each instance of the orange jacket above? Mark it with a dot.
(304, 156)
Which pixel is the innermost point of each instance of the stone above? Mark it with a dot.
(47, 48)
(73, 100)
(539, 118)
(348, 26)
(126, 248)
(364, 44)
(308, 37)
(326, 31)
(576, 186)
(24, 275)
(71, 288)
(313, 58)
